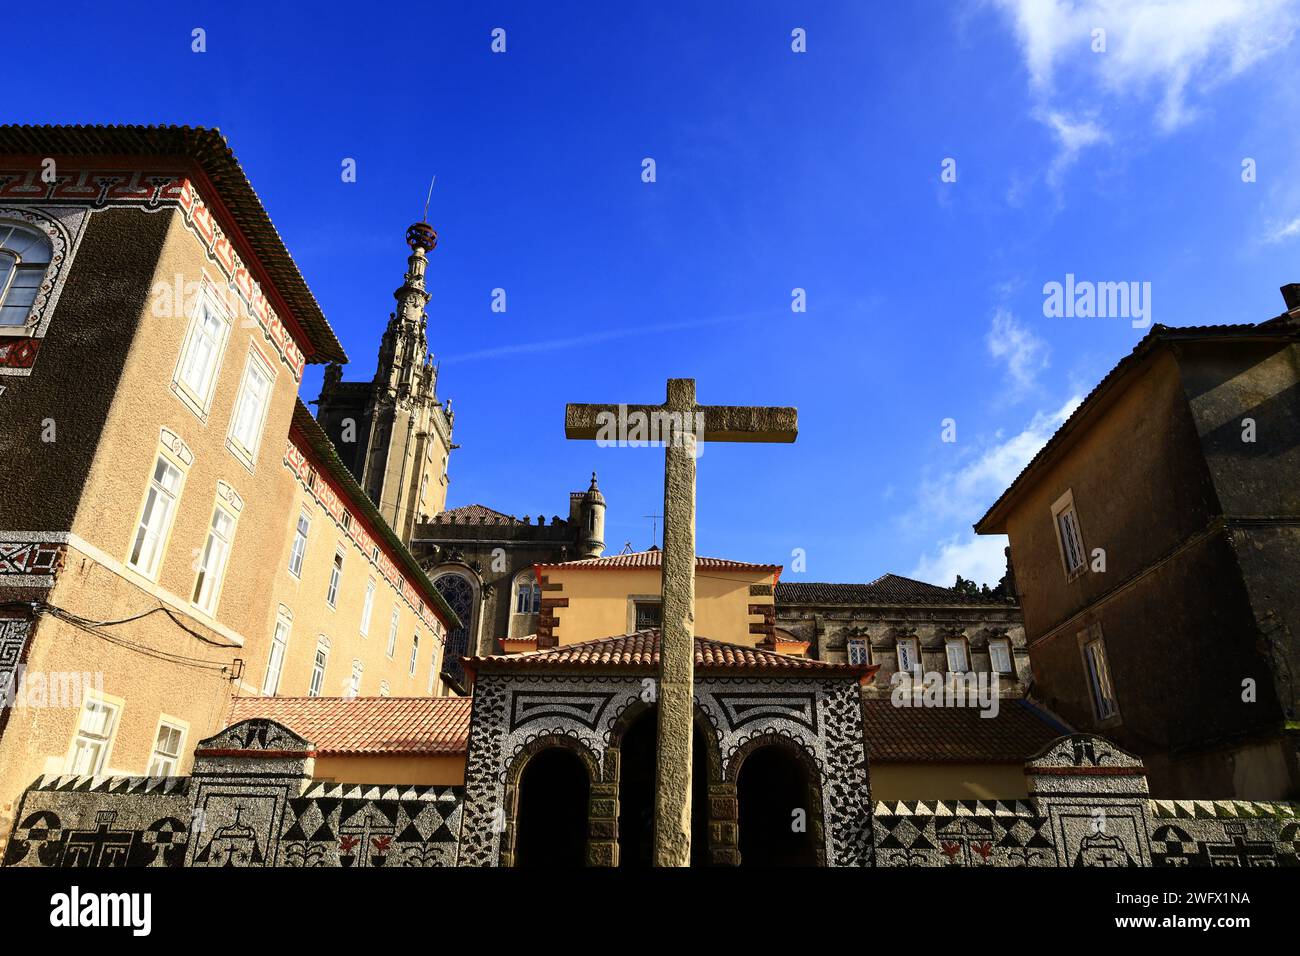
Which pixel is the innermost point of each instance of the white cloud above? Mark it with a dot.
(959, 497)
(979, 558)
(1166, 53)
(1024, 353)
(964, 494)
(1284, 231)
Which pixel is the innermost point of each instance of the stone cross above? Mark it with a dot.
(678, 424)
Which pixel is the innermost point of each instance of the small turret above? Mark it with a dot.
(592, 512)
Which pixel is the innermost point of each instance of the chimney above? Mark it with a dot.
(1291, 293)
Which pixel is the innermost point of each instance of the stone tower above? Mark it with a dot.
(392, 432)
(587, 512)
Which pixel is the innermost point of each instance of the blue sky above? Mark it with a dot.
(775, 170)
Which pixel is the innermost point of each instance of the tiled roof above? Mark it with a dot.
(654, 558)
(1281, 327)
(367, 725)
(889, 589)
(473, 514)
(208, 149)
(956, 734)
(640, 650)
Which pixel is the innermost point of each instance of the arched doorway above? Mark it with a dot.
(551, 820)
(636, 793)
(777, 814)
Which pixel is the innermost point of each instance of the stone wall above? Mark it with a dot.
(250, 802)
(1088, 807)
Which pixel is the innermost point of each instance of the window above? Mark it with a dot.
(908, 658)
(384, 689)
(392, 634)
(212, 562)
(528, 594)
(299, 544)
(1000, 656)
(166, 755)
(648, 614)
(1103, 695)
(94, 737)
(859, 650)
(196, 372)
(24, 257)
(250, 408)
(367, 606)
(415, 651)
(958, 658)
(275, 663)
(318, 666)
(336, 573)
(156, 517)
(1068, 535)
(433, 672)
(354, 684)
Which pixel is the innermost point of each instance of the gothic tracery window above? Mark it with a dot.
(459, 593)
(528, 593)
(24, 259)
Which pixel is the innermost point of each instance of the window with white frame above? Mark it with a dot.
(1000, 655)
(1068, 535)
(433, 672)
(415, 652)
(299, 543)
(367, 607)
(205, 340)
(958, 655)
(384, 689)
(24, 259)
(336, 575)
(155, 517)
(94, 737)
(528, 594)
(275, 662)
(859, 650)
(1103, 693)
(354, 684)
(166, 756)
(250, 408)
(908, 656)
(318, 666)
(392, 634)
(213, 559)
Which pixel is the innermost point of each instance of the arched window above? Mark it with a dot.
(460, 594)
(528, 593)
(24, 258)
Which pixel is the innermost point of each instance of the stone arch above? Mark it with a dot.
(463, 590)
(715, 787)
(514, 774)
(792, 748)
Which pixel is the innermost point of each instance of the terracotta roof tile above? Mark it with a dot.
(956, 734)
(889, 589)
(653, 558)
(474, 514)
(367, 725)
(641, 650)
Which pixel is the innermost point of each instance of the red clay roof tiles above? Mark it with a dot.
(421, 726)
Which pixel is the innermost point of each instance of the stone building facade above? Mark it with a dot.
(898, 623)
(482, 561)
(1167, 617)
(177, 527)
